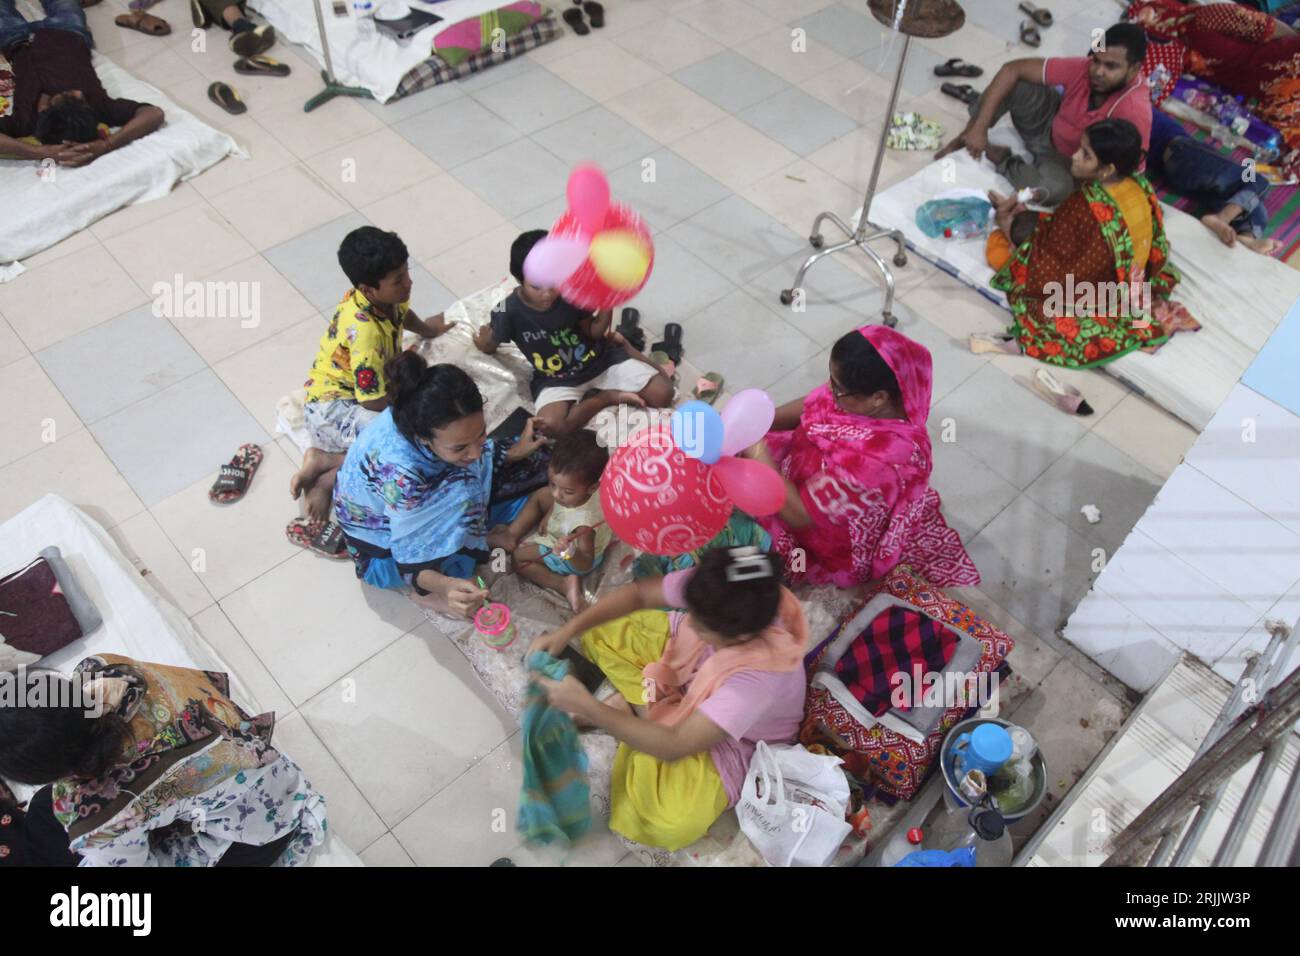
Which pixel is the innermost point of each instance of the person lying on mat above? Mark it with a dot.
(420, 487)
(1077, 287)
(1107, 83)
(572, 352)
(1234, 204)
(696, 691)
(145, 764)
(346, 387)
(58, 98)
(856, 461)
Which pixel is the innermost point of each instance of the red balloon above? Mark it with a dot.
(660, 500)
(584, 288)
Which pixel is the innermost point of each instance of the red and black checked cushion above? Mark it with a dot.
(899, 639)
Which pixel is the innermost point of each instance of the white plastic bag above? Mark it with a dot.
(793, 804)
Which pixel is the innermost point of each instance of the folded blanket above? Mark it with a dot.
(458, 42)
(897, 640)
(554, 803)
(35, 617)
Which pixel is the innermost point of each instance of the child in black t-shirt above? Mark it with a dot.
(571, 351)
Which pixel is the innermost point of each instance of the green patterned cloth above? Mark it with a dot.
(555, 802)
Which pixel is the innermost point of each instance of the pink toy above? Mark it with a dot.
(494, 628)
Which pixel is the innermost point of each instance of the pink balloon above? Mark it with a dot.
(588, 194)
(754, 487)
(551, 261)
(747, 418)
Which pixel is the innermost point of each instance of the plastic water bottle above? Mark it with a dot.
(964, 218)
(900, 845)
(363, 11)
(980, 828)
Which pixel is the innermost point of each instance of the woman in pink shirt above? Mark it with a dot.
(697, 689)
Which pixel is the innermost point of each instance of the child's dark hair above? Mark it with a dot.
(1132, 37)
(70, 120)
(744, 603)
(428, 397)
(520, 248)
(861, 369)
(579, 453)
(1023, 225)
(1117, 142)
(367, 254)
(61, 738)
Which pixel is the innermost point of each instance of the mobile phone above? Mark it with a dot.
(340, 8)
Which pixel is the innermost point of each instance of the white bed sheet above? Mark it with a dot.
(38, 212)
(377, 63)
(1238, 296)
(137, 622)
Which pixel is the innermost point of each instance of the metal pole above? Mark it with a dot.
(1268, 764)
(884, 141)
(1286, 823)
(324, 43)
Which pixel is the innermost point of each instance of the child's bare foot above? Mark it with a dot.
(1227, 235)
(502, 537)
(320, 500)
(573, 591)
(314, 464)
(955, 144)
(1265, 247)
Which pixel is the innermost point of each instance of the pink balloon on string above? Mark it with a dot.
(747, 417)
(588, 195)
(552, 260)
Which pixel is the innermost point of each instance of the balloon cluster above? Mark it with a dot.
(599, 253)
(670, 490)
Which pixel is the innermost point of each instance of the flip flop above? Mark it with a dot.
(225, 97)
(254, 41)
(233, 479)
(707, 388)
(573, 17)
(323, 537)
(629, 326)
(1029, 34)
(958, 67)
(261, 66)
(1039, 15)
(199, 15)
(965, 92)
(665, 365)
(1065, 397)
(143, 22)
(672, 343)
(998, 342)
(595, 12)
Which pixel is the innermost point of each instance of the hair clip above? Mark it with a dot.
(748, 564)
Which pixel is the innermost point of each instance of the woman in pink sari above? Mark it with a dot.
(856, 461)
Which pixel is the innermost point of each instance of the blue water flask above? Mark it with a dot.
(986, 748)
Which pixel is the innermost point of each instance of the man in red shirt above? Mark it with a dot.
(57, 95)
(1051, 102)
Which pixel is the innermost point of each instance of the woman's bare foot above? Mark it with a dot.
(573, 592)
(1227, 235)
(1265, 247)
(320, 500)
(314, 464)
(956, 143)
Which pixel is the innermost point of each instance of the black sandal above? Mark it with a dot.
(1040, 16)
(225, 97)
(958, 67)
(966, 93)
(629, 327)
(1029, 34)
(573, 17)
(595, 12)
(261, 66)
(672, 343)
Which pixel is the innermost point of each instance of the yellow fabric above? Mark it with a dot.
(652, 801)
(1135, 209)
(353, 350)
(997, 250)
(563, 521)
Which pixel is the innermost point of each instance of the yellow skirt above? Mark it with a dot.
(652, 801)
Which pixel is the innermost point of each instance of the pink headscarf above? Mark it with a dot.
(865, 483)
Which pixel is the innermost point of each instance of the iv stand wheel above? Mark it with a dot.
(900, 259)
(816, 241)
(787, 296)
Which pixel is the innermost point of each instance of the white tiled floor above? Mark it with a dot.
(129, 415)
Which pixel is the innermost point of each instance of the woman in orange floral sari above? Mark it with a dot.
(1083, 288)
